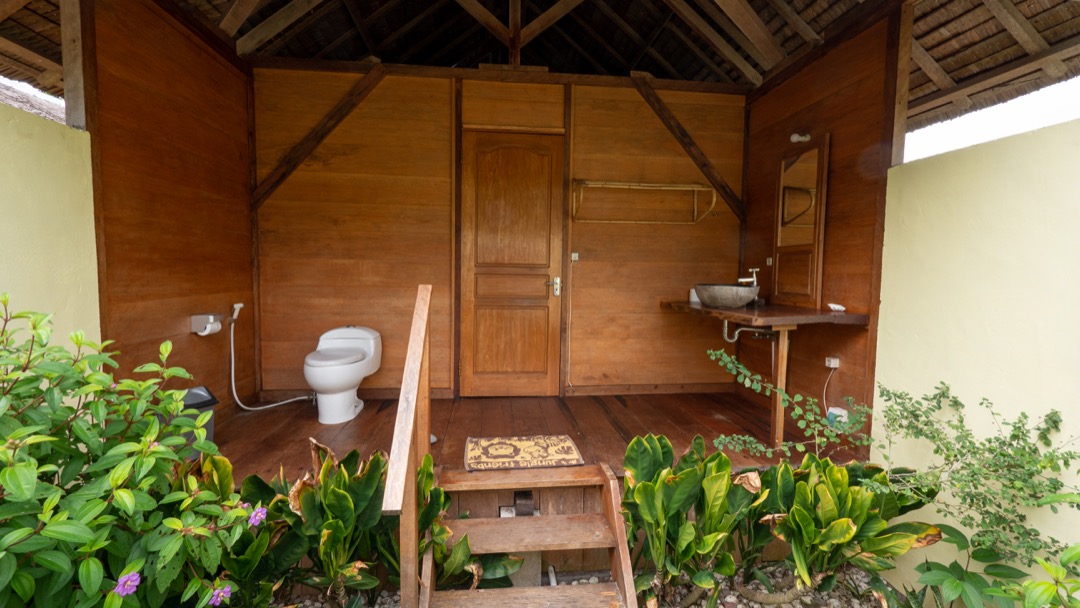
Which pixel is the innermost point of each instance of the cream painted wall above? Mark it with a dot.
(49, 260)
(981, 285)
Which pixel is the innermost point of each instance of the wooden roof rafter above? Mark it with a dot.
(749, 22)
(237, 14)
(300, 26)
(936, 73)
(703, 29)
(621, 23)
(795, 21)
(1025, 34)
(262, 33)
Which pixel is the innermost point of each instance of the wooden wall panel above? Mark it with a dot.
(845, 93)
(347, 238)
(171, 147)
(618, 335)
(518, 106)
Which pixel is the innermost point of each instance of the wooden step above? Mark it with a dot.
(602, 595)
(521, 479)
(540, 533)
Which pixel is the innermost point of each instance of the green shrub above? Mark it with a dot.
(111, 494)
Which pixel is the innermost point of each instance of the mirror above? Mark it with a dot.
(800, 224)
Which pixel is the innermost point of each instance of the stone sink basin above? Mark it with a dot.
(718, 295)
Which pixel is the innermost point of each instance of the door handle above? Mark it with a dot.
(556, 286)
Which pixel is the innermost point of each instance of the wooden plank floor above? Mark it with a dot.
(276, 440)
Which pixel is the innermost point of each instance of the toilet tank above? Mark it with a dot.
(354, 337)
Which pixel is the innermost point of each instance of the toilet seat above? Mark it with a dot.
(330, 357)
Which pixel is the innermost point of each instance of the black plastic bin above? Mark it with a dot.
(202, 399)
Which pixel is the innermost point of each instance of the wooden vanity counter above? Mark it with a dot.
(770, 316)
(782, 320)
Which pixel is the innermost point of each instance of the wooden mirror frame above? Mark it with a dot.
(797, 269)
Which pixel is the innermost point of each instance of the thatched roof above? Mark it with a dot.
(966, 54)
(28, 102)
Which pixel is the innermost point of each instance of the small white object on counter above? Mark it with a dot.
(693, 296)
(836, 307)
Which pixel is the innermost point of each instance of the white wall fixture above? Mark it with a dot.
(206, 324)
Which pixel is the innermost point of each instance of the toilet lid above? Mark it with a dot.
(328, 357)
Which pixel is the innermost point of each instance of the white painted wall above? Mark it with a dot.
(48, 259)
(981, 284)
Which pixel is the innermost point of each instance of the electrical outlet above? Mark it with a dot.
(574, 256)
(837, 413)
(832, 362)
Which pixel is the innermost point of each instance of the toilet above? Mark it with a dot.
(343, 358)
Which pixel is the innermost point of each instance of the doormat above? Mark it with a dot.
(531, 452)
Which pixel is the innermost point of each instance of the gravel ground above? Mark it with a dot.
(852, 592)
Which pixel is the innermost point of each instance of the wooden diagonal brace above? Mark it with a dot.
(648, 93)
(489, 21)
(303, 149)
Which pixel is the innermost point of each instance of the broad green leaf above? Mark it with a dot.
(68, 530)
(649, 502)
(15, 536)
(24, 585)
(837, 533)
(704, 579)
(1038, 593)
(20, 481)
(8, 563)
(124, 499)
(91, 574)
(57, 561)
(1070, 555)
(889, 545)
(951, 589)
(1004, 571)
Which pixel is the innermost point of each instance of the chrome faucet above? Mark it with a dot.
(751, 280)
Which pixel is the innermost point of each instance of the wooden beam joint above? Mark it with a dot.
(644, 87)
(303, 149)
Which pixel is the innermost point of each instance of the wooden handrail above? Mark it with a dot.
(412, 428)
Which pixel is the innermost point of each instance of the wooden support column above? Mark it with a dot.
(648, 93)
(783, 345)
(77, 44)
(515, 33)
(303, 149)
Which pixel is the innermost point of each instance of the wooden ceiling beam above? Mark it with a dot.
(421, 17)
(703, 29)
(10, 7)
(431, 37)
(358, 22)
(710, 65)
(274, 25)
(49, 74)
(630, 33)
(1025, 34)
(303, 149)
(663, 112)
(547, 19)
(712, 11)
(597, 38)
(749, 22)
(795, 21)
(1059, 52)
(237, 14)
(490, 22)
(302, 25)
(935, 72)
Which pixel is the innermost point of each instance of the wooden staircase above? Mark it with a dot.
(602, 530)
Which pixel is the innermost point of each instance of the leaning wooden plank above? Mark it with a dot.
(622, 572)
(406, 413)
(645, 88)
(303, 149)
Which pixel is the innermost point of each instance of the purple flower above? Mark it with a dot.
(257, 516)
(220, 594)
(127, 584)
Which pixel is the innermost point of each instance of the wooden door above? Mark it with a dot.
(511, 252)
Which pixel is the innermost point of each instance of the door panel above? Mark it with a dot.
(511, 244)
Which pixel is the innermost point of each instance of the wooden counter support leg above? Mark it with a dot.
(782, 341)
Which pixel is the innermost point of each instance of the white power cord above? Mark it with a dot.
(825, 391)
(232, 370)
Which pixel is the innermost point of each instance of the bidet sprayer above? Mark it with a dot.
(236, 310)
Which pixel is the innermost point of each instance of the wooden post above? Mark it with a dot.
(782, 347)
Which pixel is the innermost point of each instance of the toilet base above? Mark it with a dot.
(336, 408)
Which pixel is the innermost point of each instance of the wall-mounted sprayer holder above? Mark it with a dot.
(206, 324)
